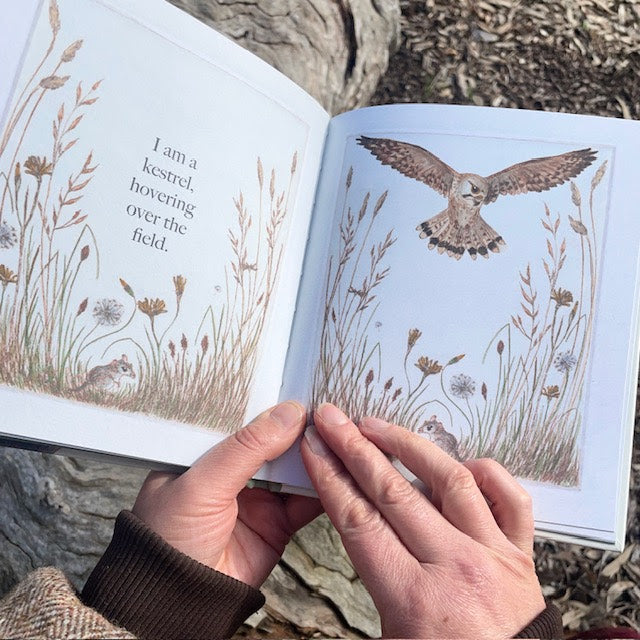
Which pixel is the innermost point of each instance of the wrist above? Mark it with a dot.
(153, 590)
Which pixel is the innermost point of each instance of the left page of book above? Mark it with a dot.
(156, 183)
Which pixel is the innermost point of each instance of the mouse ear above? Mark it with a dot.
(124, 357)
(433, 417)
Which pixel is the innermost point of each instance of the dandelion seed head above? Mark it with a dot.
(565, 361)
(462, 386)
(108, 312)
(8, 236)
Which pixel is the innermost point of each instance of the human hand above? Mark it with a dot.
(210, 515)
(456, 565)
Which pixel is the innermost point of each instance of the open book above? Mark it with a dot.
(186, 237)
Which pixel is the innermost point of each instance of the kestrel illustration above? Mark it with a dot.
(460, 227)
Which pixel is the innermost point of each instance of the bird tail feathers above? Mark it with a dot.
(476, 238)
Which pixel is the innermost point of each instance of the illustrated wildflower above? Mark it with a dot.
(172, 348)
(53, 82)
(462, 386)
(562, 297)
(565, 361)
(70, 52)
(369, 379)
(127, 289)
(577, 226)
(204, 344)
(500, 347)
(388, 384)
(17, 177)
(483, 390)
(8, 236)
(552, 391)
(396, 394)
(82, 307)
(428, 367)
(152, 307)
(38, 167)
(179, 283)
(455, 359)
(7, 276)
(183, 342)
(108, 312)
(84, 253)
(414, 336)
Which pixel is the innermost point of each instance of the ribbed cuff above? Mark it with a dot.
(547, 624)
(143, 584)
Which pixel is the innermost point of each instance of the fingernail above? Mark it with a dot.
(315, 442)
(373, 423)
(331, 415)
(288, 415)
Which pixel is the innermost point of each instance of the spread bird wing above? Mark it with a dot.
(412, 161)
(538, 174)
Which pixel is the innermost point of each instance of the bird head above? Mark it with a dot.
(473, 189)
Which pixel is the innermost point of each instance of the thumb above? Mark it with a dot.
(226, 469)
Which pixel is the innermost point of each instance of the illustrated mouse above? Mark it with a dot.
(435, 431)
(106, 376)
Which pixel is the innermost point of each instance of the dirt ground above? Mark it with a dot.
(580, 56)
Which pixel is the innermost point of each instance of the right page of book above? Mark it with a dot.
(473, 277)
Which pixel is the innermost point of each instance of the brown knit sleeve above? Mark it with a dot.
(143, 584)
(547, 624)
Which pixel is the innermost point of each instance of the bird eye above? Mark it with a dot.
(474, 188)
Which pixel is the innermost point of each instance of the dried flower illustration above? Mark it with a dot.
(70, 52)
(455, 359)
(38, 167)
(172, 348)
(552, 391)
(204, 344)
(183, 342)
(561, 297)
(108, 312)
(414, 336)
(428, 367)
(388, 384)
(54, 16)
(179, 283)
(127, 289)
(84, 253)
(575, 194)
(8, 236)
(462, 386)
(577, 226)
(152, 307)
(483, 390)
(369, 379)
(17, 176)
(53, 82)
(82, 307)
(500, 347)
(565, 361)
(7, 276)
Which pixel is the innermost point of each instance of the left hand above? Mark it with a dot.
(210, 515)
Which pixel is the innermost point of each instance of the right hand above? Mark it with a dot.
(458, 564)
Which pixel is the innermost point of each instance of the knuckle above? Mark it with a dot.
(395, 490)
(360, 518)
(460, 480)
(251, 438)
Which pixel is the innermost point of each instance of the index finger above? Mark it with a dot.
(453, 488)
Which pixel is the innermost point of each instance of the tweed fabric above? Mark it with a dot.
(45, 605)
